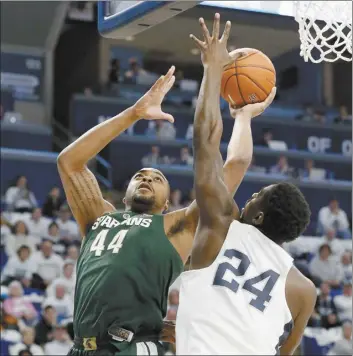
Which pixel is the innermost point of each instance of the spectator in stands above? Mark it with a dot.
(163, 130)
(325, 311)
(282, 167)
(67, 279)
(19, 307)
(254, 168)
(191, 197)
(87, 92)
(45, 327)
(335, 244)
(264, 141)
(179, 76)
(54, 236)
(19, 197)
(343, 302)
(186, 159)
(5, 230)
(114, 74)
(53, 233)
(18, 238)
(37, 224)
(48, 266)
(344, 117)
(309, 165)
(27, 344)
(53, 203)
(175, 200)
(343, 347)
(189, 132)
(324, 268)
(319, 117)
(61, 301)
(72, 253)
(135, 70)
(332, 217)
(153, 158)
(8, 326)
(346, 263)
(61, 343)
(19, 267)
(68, 228)
(308, 113)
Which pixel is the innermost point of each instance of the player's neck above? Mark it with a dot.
(137, 210)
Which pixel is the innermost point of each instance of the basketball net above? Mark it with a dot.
(325, 30)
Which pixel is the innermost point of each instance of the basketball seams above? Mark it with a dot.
(243, 85)
(254, 66)
(241, 94)
(259, 86)
(247, 56)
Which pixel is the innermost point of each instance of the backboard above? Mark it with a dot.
(123, 19)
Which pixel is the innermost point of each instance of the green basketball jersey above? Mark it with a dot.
(125, 268)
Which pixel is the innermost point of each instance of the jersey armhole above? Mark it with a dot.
(160, 220)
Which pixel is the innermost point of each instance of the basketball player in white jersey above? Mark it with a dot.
(242, 295)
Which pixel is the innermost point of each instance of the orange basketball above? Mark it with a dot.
(249, 80)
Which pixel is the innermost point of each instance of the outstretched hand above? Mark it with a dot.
(253, 110)
(149, 106)
(214, 49)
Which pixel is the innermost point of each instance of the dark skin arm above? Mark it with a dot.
(80, 185)
(180, 226)
(215, 203)
(301, 298)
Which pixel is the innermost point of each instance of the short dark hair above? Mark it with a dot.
(323, 246)
(286, 213)
(53, 223)
(14, 227)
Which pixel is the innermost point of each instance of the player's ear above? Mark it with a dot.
(124, 200)
(166, 205)
(258, 219)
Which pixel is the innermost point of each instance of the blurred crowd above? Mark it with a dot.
(40, 246)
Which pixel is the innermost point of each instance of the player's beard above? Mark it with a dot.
(142, 204)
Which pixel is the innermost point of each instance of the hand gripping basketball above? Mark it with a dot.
(253, 110)
(149, 106)
(214, 49)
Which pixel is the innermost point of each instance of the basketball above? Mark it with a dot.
(249, 80)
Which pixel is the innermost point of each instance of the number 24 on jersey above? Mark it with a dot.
(98, 245)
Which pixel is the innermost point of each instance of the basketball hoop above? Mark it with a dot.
(325, 30)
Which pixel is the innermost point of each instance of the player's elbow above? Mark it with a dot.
(68, 160)
(65, 161)
(237, 163)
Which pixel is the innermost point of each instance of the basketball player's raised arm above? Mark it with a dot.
(240, 147)
(80, 185)
(213, 197)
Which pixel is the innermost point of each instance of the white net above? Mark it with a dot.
(325, 30)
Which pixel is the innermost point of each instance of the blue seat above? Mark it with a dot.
(3, 257)
(4, 347)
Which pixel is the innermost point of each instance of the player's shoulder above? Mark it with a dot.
(300, 289)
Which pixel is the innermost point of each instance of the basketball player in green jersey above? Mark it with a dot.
(128, 260)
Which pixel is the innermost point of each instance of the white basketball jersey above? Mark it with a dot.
(236, 306)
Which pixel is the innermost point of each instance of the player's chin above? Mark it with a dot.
(144, 196)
